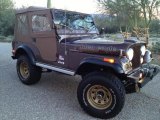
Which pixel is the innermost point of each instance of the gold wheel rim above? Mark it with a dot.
(99, 97)
(24, 70)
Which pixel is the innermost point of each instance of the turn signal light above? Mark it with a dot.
(109, 60)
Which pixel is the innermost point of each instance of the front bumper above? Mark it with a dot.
(141, 76)
(13, 57)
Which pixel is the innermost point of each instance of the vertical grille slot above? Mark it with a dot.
(136, 59)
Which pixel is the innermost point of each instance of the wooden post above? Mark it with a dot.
(49, 5)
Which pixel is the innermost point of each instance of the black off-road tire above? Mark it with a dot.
(34, 72)
(110, 83)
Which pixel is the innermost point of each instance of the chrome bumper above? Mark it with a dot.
(143, 75)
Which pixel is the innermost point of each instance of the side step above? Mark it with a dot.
(57, 69)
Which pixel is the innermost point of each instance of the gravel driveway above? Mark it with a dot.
(54, 97)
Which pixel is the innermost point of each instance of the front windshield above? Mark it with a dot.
(74, 22)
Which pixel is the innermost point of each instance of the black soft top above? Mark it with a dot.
(32, 8)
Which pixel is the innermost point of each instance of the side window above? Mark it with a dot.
(40, 23)
(22, 24)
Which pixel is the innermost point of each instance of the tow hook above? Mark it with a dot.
(152, 72)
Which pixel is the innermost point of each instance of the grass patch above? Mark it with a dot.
(156, 59)
(6, 39)
(155, 35)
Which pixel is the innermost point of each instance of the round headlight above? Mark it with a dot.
(143, 50)
(130, 54)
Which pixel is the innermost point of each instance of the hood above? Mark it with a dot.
(95, 41)
(103, 46)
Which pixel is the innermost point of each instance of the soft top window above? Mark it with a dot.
(40, 23)
(22, 24)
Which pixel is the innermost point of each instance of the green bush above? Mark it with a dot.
(6, 39)
(156, 47)
(7, 23)
(155, 27)
(7, 17)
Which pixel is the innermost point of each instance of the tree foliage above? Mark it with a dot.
(7, 17)
(106, 22)
(131, 13)
(149, 8)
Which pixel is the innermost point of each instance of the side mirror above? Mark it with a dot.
(148, 56)
(102, 31)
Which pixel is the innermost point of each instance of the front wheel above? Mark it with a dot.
(27, 72)
(101, 95)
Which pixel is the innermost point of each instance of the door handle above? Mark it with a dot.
(34, 40)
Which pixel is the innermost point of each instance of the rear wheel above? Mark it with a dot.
(27, 72)
(101, 95)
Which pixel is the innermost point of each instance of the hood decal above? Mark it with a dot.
(105, 50)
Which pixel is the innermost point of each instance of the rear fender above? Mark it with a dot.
(25, 50)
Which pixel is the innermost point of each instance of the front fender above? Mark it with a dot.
(115, 67)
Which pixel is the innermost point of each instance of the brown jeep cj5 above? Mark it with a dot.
(68, 42)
